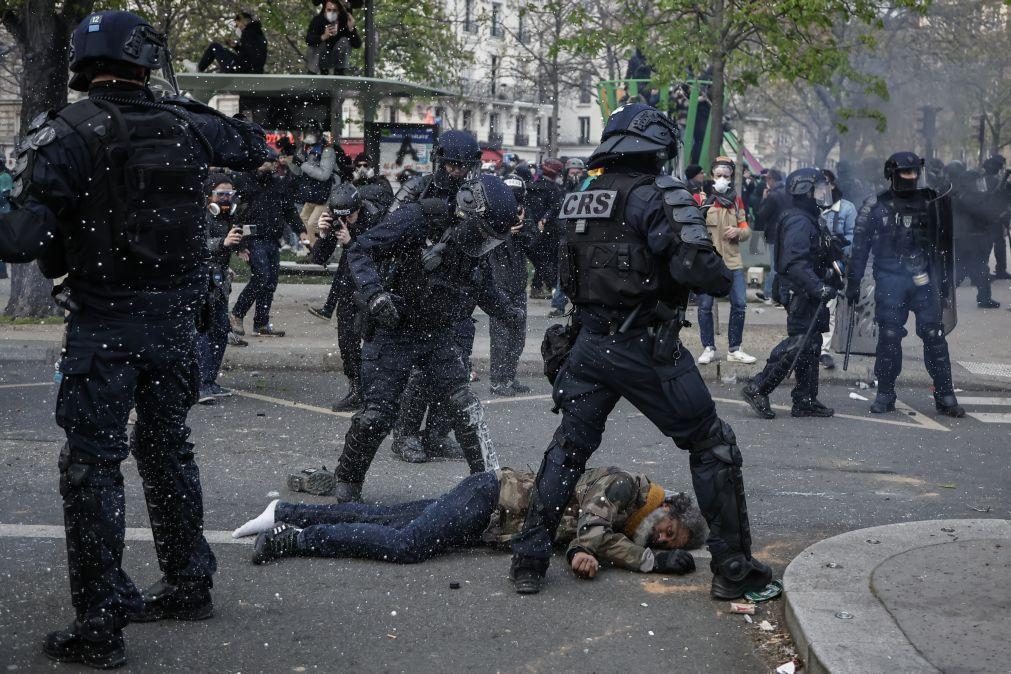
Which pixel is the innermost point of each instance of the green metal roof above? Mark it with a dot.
(203, 86)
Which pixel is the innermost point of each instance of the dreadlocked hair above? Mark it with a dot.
(684, 509)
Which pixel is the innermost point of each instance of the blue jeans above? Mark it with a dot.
(211, 344)
(405, 533)
(738, 309)
(264, 265)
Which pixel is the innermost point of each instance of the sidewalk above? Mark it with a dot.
(980, 355)
(914, 597)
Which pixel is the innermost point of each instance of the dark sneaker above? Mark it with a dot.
(810, 408)
(220, 391)
(827, 361)
(883, 403)
(504, 390)
(442, 447)
(267, 331)
(84, 644)
(947, 404)
(1001, 275)
(520, 388)
(409, 449)
(758, 401)
(235, 340)
(167, 601)
(988, 304)
(235, 323)
(320, 313)
(526, 581)
(279, 542)
(317, 481)
(206, 397)
(737, 574)
(345, 492)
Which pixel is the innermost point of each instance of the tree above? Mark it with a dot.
(41, 29)
(737, 43)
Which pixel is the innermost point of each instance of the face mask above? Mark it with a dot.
(721, 184)
(331, 17)
(363, 173)
(238, 32)
(309, 140)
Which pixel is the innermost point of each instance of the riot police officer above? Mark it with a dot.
(972, 232)
(636, 245)
(108, 193)
(908, 228)
(411, 291)
(804, 253)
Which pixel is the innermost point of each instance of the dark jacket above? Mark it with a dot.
(799, 259)
(217, 229)
(773, 204)
(252, 49)
(269, 204)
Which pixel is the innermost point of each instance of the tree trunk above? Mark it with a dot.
(717, 100)
(43, 37)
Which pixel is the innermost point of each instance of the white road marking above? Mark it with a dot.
(132, 533)
(918, 421)
(516, 399)
(983, 400)
(42, 383)
(992, 417)
(292, 404)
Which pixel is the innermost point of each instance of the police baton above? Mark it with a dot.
(807, 337)
(849, 334)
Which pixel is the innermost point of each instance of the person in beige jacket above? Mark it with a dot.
(728, 227)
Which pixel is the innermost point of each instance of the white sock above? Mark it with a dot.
(262, 522)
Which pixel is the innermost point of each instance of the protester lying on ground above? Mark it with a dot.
(615, 517)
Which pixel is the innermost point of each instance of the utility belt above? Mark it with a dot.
(662, 323)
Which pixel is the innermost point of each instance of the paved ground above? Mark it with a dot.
(807, 480)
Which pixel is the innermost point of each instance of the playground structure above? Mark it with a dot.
(613, 93)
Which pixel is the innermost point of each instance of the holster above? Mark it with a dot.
(555, 347)
(667, 334)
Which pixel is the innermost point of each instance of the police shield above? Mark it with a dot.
(942, 262)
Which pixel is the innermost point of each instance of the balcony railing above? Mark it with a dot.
(522, 140)
(482, 89)
(494, 138)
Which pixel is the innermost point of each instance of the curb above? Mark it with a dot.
(832, 611)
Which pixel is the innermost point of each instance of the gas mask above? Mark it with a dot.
(721, 184)
(473, 233)
(331, 17)
(309, 139)
(364, 173)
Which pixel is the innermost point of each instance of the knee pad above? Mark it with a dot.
(77, 477)
(720, 433)
(462, 398)
(371, 423)
(892, 333)
(931, 334)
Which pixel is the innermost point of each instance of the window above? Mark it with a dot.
(496, 19)
(493, 75)
(551, 129)
(584, 130)
(469, 24)
(584, 89)
(393, 114)
(494, 128)
(468, 120)
(522, 138)
(537, 132)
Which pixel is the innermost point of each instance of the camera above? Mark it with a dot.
(249, 230)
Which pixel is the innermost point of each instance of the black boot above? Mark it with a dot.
(409, 449)
(279, 542)
(737, 573)
(345, 492)
(96, 643)
(827, 361)
(175, 601)
(526, 580)
(883, 402)
(988, 304)
(503, 389)
(352, 400)
(442, 447)
(758, 401)
(947, 404)
(810, 407)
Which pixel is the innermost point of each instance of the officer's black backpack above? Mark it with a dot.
(142, 218)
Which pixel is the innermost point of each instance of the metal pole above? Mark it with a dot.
(371, 39)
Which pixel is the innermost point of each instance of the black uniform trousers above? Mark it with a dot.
(110, 366)
(508, 338)
(801, 310)
(972, 260)
(601, 370)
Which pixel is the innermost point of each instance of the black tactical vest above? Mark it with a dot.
(907, 225)
(602, 261)
(141, 220)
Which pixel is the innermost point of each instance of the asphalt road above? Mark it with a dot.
(807, 479)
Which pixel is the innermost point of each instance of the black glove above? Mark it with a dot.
(383, 310)
(852, 292)
(431, 257)
(299, 158)
(678, 562)
(516, 316)
(826, 292)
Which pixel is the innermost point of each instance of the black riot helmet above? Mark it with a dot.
(456, 150)
(637, 129)
(994, 164)
(810, 183)
(903, 161)
(344, 199)
(116, 42)
(486, 209)
(518, 186)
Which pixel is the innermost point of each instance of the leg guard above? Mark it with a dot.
(936, 359)
(561, 468)
(888, 357)
(719, 488)
(368, 430)
(413, 404)
(778, 365)
(94, 509)
(472, 430)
